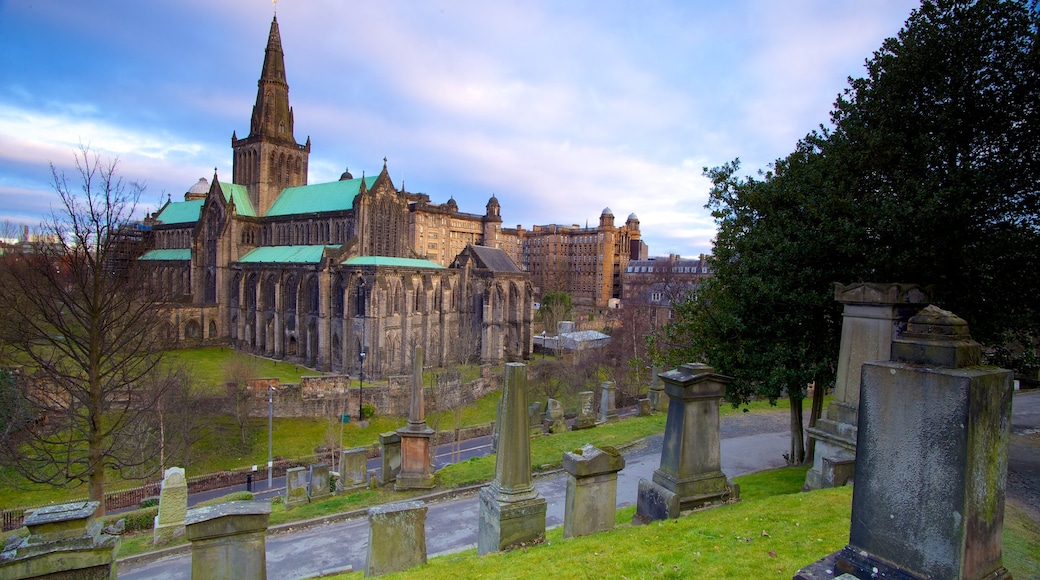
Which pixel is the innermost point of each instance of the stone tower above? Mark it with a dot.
(270, 159)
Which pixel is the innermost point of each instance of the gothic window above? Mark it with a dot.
(192, 330)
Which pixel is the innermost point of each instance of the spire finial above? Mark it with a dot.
(275, 2)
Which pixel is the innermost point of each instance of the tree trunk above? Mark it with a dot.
(814, 416)
(96, 477)
(797, 434)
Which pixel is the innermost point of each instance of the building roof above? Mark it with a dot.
(175, 254)
(494, 259)
(238, 194)
(320, 197)
(285, 255)
(388, 261)
(181, 212)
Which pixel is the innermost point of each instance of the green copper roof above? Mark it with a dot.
(181, 212)
(285, 255)
(387, 261)
(320, 197)
(176, 254)
(239, 195)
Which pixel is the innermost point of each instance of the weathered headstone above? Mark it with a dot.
(295, 487)
(511, 509)
(534, 418)
(691, 463)
(591, 503)
(396, 537)
(353, 469)
(390, 444)
(65, 541)
(658, 399)
(228, 540)
(416, 472)
(319, 486)
(586, 418)
(931, 460)
(643, 408)
(874, 314)
(607, 402)
(554, 417)
(173, 505)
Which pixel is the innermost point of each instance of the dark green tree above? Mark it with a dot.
(930, 173)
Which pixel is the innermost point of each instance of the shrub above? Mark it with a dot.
(135, 520)
(368, 411)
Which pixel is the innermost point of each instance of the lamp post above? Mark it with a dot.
(270, 435)
(360, 306)
(543, 345)
(361, 389)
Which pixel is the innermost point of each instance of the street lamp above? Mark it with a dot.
(360, 306)
(361, 388)
(270, 434)
(543, 345)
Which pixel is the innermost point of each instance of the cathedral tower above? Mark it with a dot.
(270, 159)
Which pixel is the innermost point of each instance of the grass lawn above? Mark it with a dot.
(208, 366)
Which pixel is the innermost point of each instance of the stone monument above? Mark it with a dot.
(931, 460)
(511, 509)
(390, 444)
(586, 418)
(591, 503)
(65, 541)
(656, 395)
(295, 487)
(396, 537)
(415, 436)
(173, 505)
(534, 418)
(607, 402)
(353, 469)
(554, 417)
(691, 465)
(228, 540)
(874, 314)
(319, 485)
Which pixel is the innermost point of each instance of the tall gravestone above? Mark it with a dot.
(353, 469)
(396, 537)
(390, 445)
(607, 402)
(415, 436)
(691, 460)
(931, 460)
(658, 399)
(295, 487)
(173, 505)
(319, 485)
(586, 418)
(554, 417)
(874, 314)
(228, 540)
(511, 509)
(591, 502)
(65, 541)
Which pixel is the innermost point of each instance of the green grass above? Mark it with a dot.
(208, 366)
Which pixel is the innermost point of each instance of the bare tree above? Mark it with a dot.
(181, 416)
(238, 371)
(88, 333)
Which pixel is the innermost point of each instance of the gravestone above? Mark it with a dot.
(931, 460)
(691, 464)
(353, 469)
(607, 402)
(643, 408)
(64, 541)
(390, 444)
(586, 418)
(874, 314)
(534, 418)
(295, 487)
(228, 540)
(511, 509)
(396, 537)
(591, 503)
(319, 486)
(173, 505)
(658, 399)
(554, 417)
(416, 472)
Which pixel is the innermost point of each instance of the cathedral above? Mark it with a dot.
(347, 276)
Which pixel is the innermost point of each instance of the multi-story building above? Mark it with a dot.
(656, 283)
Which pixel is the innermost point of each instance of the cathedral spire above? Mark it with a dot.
(272, 115)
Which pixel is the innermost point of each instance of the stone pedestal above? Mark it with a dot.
(227, 540)
(874, 314)
(295, 487)
(591, 490)
(65, 541)
(643, 408)
(416, 472)
(586, 418)
(390, 443)
(319, 486)
(511, 510)
(173, 505)
(691, 464)
(658, 400)
(607, 402)
(396, 537)
(931, 465)
(353, 469)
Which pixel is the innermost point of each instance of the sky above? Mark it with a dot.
(560, 108)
